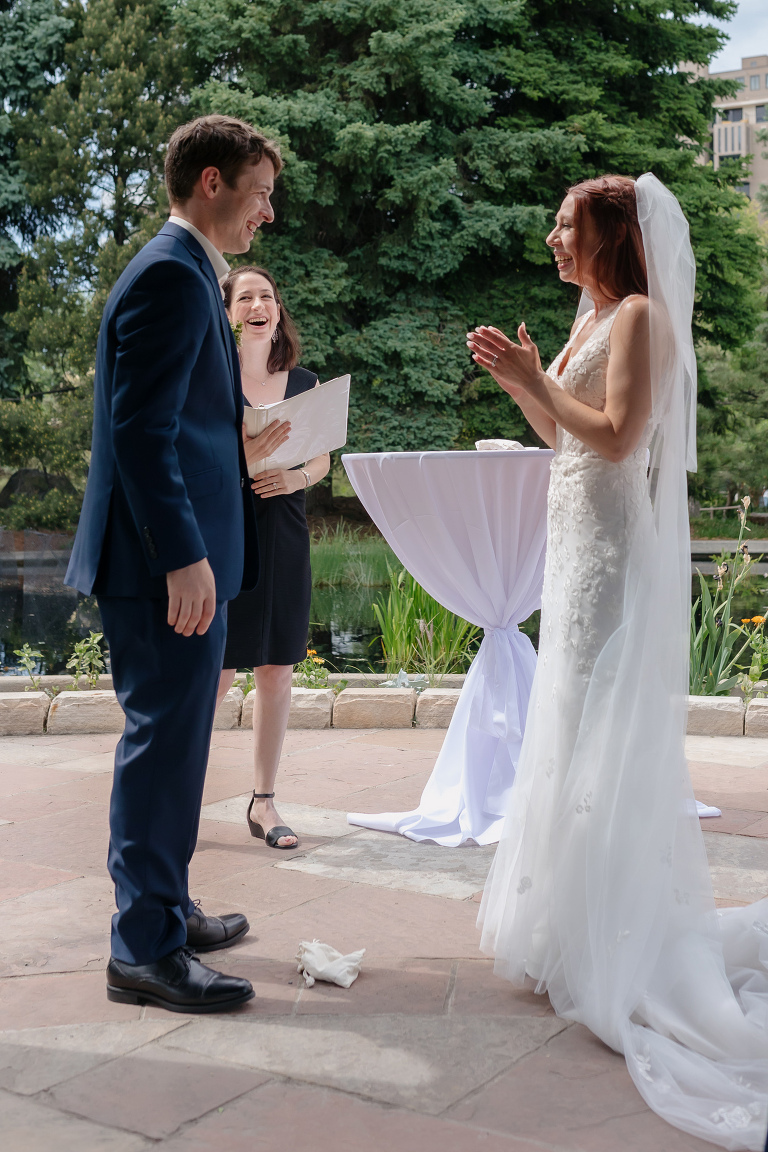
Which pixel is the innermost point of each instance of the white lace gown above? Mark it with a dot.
(600, 891)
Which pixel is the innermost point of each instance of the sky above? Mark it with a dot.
(748, 32)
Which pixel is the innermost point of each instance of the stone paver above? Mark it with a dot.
(427, 1052)
(32, 1059)
(169, 1087)
(421, 1062)
(573, 1093)
(293, 1116)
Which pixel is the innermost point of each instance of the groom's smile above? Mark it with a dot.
(246, 206)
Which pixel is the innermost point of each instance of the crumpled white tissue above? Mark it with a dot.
(322, 962)
(499, 446)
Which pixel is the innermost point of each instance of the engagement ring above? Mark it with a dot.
(493, 362)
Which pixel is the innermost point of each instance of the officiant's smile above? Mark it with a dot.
(254, 307)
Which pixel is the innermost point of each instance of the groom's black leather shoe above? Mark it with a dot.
(179, 982)
(208, 933)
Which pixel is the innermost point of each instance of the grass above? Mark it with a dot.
(346, 555)
(724, 528)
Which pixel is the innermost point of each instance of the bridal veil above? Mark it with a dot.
(628, 940)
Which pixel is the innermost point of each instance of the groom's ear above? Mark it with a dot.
(209, 182)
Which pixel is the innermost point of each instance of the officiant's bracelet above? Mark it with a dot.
(307, 477)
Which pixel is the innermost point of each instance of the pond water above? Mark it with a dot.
(35, 607)
(343, 629)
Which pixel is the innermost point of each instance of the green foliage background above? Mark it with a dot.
(428, 144)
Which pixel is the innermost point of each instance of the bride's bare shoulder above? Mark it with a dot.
(633, 316)
(636, 305)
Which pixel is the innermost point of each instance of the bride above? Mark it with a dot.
(600, 891)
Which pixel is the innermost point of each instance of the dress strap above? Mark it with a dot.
(582, 322)
(611, 319)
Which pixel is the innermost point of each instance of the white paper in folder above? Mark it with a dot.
(318, 424)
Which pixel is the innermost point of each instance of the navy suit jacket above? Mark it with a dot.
(168, 481)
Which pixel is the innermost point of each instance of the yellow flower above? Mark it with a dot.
(747, 621)
(758, 619)
(311, 652)
(318, 660)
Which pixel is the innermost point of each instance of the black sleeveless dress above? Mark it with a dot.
(269, 625)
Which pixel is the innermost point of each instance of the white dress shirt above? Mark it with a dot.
(220, 266)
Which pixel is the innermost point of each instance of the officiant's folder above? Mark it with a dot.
(318, 420)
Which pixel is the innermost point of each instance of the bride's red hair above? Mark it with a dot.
(618, 265)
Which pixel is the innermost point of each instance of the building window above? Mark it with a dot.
(743, 188)
(754, 83)
(729, 141)
(740, 81)
(760, 113)
(735, 114)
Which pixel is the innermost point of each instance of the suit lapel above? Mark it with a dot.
(195, 249)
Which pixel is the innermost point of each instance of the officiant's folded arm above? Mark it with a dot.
(158, 338)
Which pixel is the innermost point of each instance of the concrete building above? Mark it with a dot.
(739, 118)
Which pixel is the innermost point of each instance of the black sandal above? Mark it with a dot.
(270, 838)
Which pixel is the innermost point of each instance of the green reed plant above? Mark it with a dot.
(347, 555)
(418, 634)
(718, 643)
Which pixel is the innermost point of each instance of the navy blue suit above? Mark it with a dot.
(167, 486)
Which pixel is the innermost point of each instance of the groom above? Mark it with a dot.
(161, 543)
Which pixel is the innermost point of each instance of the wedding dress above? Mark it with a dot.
(600, 891)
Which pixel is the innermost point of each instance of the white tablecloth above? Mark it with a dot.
(471, 528)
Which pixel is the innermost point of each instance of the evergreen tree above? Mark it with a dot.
(429, 143)
(92, 156)
(32, 35)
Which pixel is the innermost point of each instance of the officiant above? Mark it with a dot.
(267, 628)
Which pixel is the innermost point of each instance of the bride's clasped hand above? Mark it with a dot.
(515, 367)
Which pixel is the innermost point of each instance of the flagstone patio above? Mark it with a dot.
(427, 1050)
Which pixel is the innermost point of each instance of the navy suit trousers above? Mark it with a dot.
(166, 685)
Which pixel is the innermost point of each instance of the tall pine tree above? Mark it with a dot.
(92, 157)
(429, 143)
(32, 36)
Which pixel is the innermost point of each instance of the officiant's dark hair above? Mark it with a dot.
(214, 142)
(286, 350)
(618, 265)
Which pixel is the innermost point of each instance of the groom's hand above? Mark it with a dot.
(191, 598)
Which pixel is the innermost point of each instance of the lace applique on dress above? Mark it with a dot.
(593, 507)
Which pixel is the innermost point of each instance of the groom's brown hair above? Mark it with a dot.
(214, 142)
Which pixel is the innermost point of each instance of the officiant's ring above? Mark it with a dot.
(274, 485)
(493, 362)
